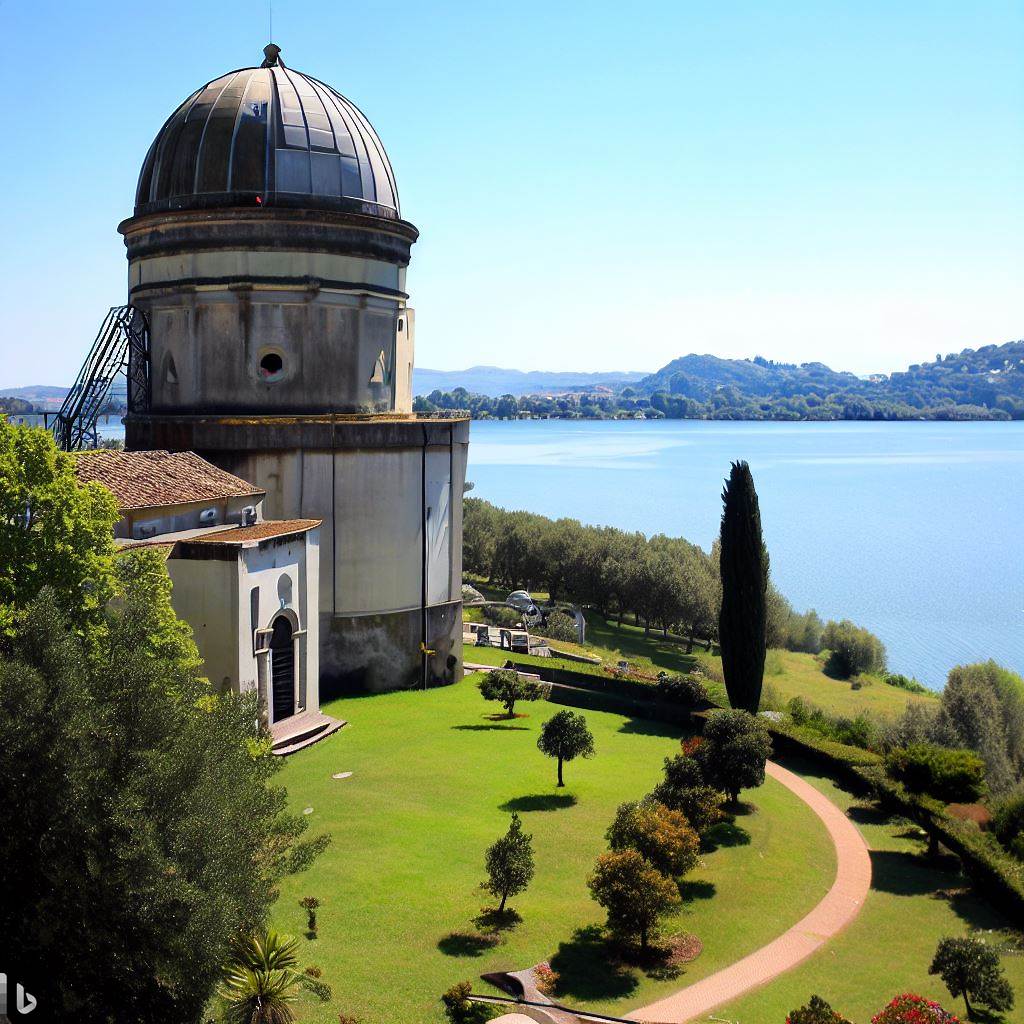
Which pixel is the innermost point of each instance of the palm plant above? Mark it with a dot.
(261, 980)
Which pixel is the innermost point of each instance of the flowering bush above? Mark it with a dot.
(546, 978)
(691, 745)
(913, 1009)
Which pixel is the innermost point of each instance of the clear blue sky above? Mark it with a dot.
(598, 185)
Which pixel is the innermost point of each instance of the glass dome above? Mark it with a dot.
(267, 136)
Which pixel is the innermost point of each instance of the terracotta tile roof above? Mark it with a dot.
(152, 479)
(258, 531)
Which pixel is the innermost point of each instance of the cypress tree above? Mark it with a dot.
(744, 567)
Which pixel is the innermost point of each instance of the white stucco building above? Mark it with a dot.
(248, 586)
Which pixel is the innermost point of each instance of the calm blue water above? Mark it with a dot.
(911, 529)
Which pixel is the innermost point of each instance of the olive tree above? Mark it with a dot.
(507, 686)
(970, 968)
(510, 863)
(565, 737)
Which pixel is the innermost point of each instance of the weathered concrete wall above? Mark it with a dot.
(375, 653)
(185, 516)
(375, 484)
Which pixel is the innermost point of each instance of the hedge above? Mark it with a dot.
(994, 871)
(840, 759)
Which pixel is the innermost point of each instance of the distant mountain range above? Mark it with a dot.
(983, 383)
(494, 381)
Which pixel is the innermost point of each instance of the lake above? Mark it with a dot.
(910, 529)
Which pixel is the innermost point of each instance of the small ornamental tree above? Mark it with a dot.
(662, 836)
(506, 686)
(913, 1009)
(735, 748)
(510, 863)
(683, 789)
(635, 895)
(565, 737)
(817, 1011)
(970, 968)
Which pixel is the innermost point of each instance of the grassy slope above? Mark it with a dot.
(888, 948)
(433, 777)
(788, 673)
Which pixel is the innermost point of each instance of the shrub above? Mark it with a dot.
(902, 682)
(683, 789)
(560, 626)
(817, 1011)
(735, 748)
(1008, 824)
(852, 650)
(634, 894)
(687, 689)
(661, 836)
(500, 615)
(970, 968)
(460, 1009)
(949, 775)
(913, 1009)
(546, 978)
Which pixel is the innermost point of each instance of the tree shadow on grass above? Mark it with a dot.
(867, 814)
(539, 802)
(491, 921)
(588, 969)
(696, 890)
(907, 874)
(724, 834)
(505, 718)
(650, 727)
(491, 728)
(467, 943)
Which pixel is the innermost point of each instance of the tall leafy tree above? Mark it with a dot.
(142, 830)
(744, 571)
(510, 863)
(506, 686)
(734, 751)
(635, 894)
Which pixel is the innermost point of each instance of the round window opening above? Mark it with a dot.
(271, 366)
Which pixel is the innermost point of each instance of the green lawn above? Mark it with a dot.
(435, 779)
(888, 948)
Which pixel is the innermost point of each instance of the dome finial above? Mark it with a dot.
(272, 53)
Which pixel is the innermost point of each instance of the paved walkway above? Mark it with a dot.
(840, 906)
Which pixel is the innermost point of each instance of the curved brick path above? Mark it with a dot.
(840, 906)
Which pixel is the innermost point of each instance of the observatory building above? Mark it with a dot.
(267, 281)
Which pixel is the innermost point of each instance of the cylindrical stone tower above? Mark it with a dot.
(268, 253)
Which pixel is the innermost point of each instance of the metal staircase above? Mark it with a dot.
(122, 346)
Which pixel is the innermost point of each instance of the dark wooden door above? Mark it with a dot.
(282, 669)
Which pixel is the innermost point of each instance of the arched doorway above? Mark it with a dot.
(282, 669)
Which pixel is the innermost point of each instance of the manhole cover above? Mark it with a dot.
(308, 810)
(341, 775)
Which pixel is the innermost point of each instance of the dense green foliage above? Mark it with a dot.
(970, 968)
(955, 776)
(53, 531)
(742, 618)
(688, 689)
(635, 894)
(683, 789)
(986, 383)
(559, 626)
(565, 736)
(460, 1009)
(663, 837)
(856, 732)
(735, 748)
(510, 863)
(507, 687)
(665, 581)
(1008, 824)
(141, 831)
(853, 650)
